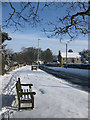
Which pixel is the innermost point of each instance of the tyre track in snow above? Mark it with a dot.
(11, 84)
(80, 81)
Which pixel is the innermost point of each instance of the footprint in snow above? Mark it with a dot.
(42, 91)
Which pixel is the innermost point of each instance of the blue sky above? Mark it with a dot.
(29, 36)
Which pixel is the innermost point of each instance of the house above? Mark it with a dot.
(38, 62)
(72, 57)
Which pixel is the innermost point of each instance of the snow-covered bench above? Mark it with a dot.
(34, 67)
(24, 95)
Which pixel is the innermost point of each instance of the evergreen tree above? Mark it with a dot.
(70, 50)
(47, 55)
(85, 55)
(3, 36)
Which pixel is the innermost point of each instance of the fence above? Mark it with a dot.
(15, 67)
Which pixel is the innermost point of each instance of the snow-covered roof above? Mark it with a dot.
(70, 55)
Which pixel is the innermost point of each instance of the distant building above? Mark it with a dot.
(71, 57)
(38, 62)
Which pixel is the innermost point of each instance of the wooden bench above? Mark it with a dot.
(24, 95)
(34, 67)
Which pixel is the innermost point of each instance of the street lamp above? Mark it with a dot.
(38, 51)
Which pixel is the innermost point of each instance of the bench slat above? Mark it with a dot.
(26, 101)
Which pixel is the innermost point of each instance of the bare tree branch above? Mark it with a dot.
(71, 24)
(17, 16)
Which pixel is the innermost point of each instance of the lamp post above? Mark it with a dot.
(38, 51)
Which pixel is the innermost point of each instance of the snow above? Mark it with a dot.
(54, 97)
(70, 55)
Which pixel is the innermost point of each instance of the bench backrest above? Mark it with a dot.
(18, 85)
(18, 88)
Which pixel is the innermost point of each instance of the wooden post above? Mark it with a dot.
(0, 54)
(0, 38)
(0, 64)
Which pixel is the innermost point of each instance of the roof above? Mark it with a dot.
(70, 55)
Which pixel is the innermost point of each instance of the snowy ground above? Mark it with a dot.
(54, 97)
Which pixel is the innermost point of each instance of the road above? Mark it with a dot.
(70, 77)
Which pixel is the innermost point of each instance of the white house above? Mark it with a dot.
(72, 57)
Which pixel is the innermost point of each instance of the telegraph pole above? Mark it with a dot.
(66, 55)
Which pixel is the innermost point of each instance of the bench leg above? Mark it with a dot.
(32, 103)
(19, 106)
(32, 97)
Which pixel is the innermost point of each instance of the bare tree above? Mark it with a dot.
(73, 23)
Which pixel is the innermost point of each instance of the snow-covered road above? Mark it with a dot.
(73, 75)
(54, 97)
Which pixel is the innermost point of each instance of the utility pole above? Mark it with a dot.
(66, 52)
(66, 55)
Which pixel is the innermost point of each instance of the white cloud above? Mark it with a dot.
(28, 40)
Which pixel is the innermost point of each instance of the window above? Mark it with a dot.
(81, 59)
(72, 60)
